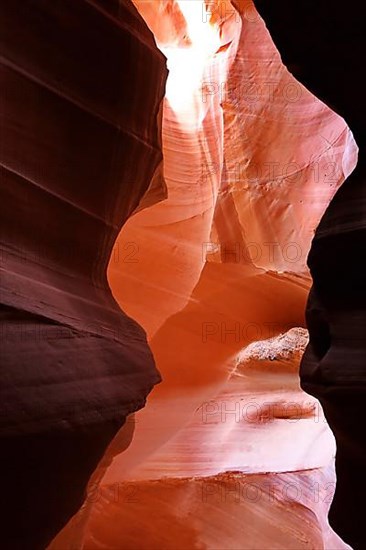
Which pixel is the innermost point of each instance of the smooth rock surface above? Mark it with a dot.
(82, 84)
(322, 46)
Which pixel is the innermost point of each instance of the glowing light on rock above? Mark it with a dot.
(202, 33)
(186, 65)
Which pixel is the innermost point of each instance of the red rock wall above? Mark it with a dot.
(81, 85)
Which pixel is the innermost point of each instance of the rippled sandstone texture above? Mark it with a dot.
(81, 86)
(251, 162)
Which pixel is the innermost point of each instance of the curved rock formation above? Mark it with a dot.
(198, 488)
(251, 161)
(322, 46)
(230, 510)
(215, 259)
(82, 84)
(229, 452)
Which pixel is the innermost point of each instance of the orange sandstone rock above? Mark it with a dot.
(215, 273)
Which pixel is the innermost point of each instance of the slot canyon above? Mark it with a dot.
(183, 326)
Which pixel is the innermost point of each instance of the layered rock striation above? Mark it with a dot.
(211, 260)
(82, 84)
